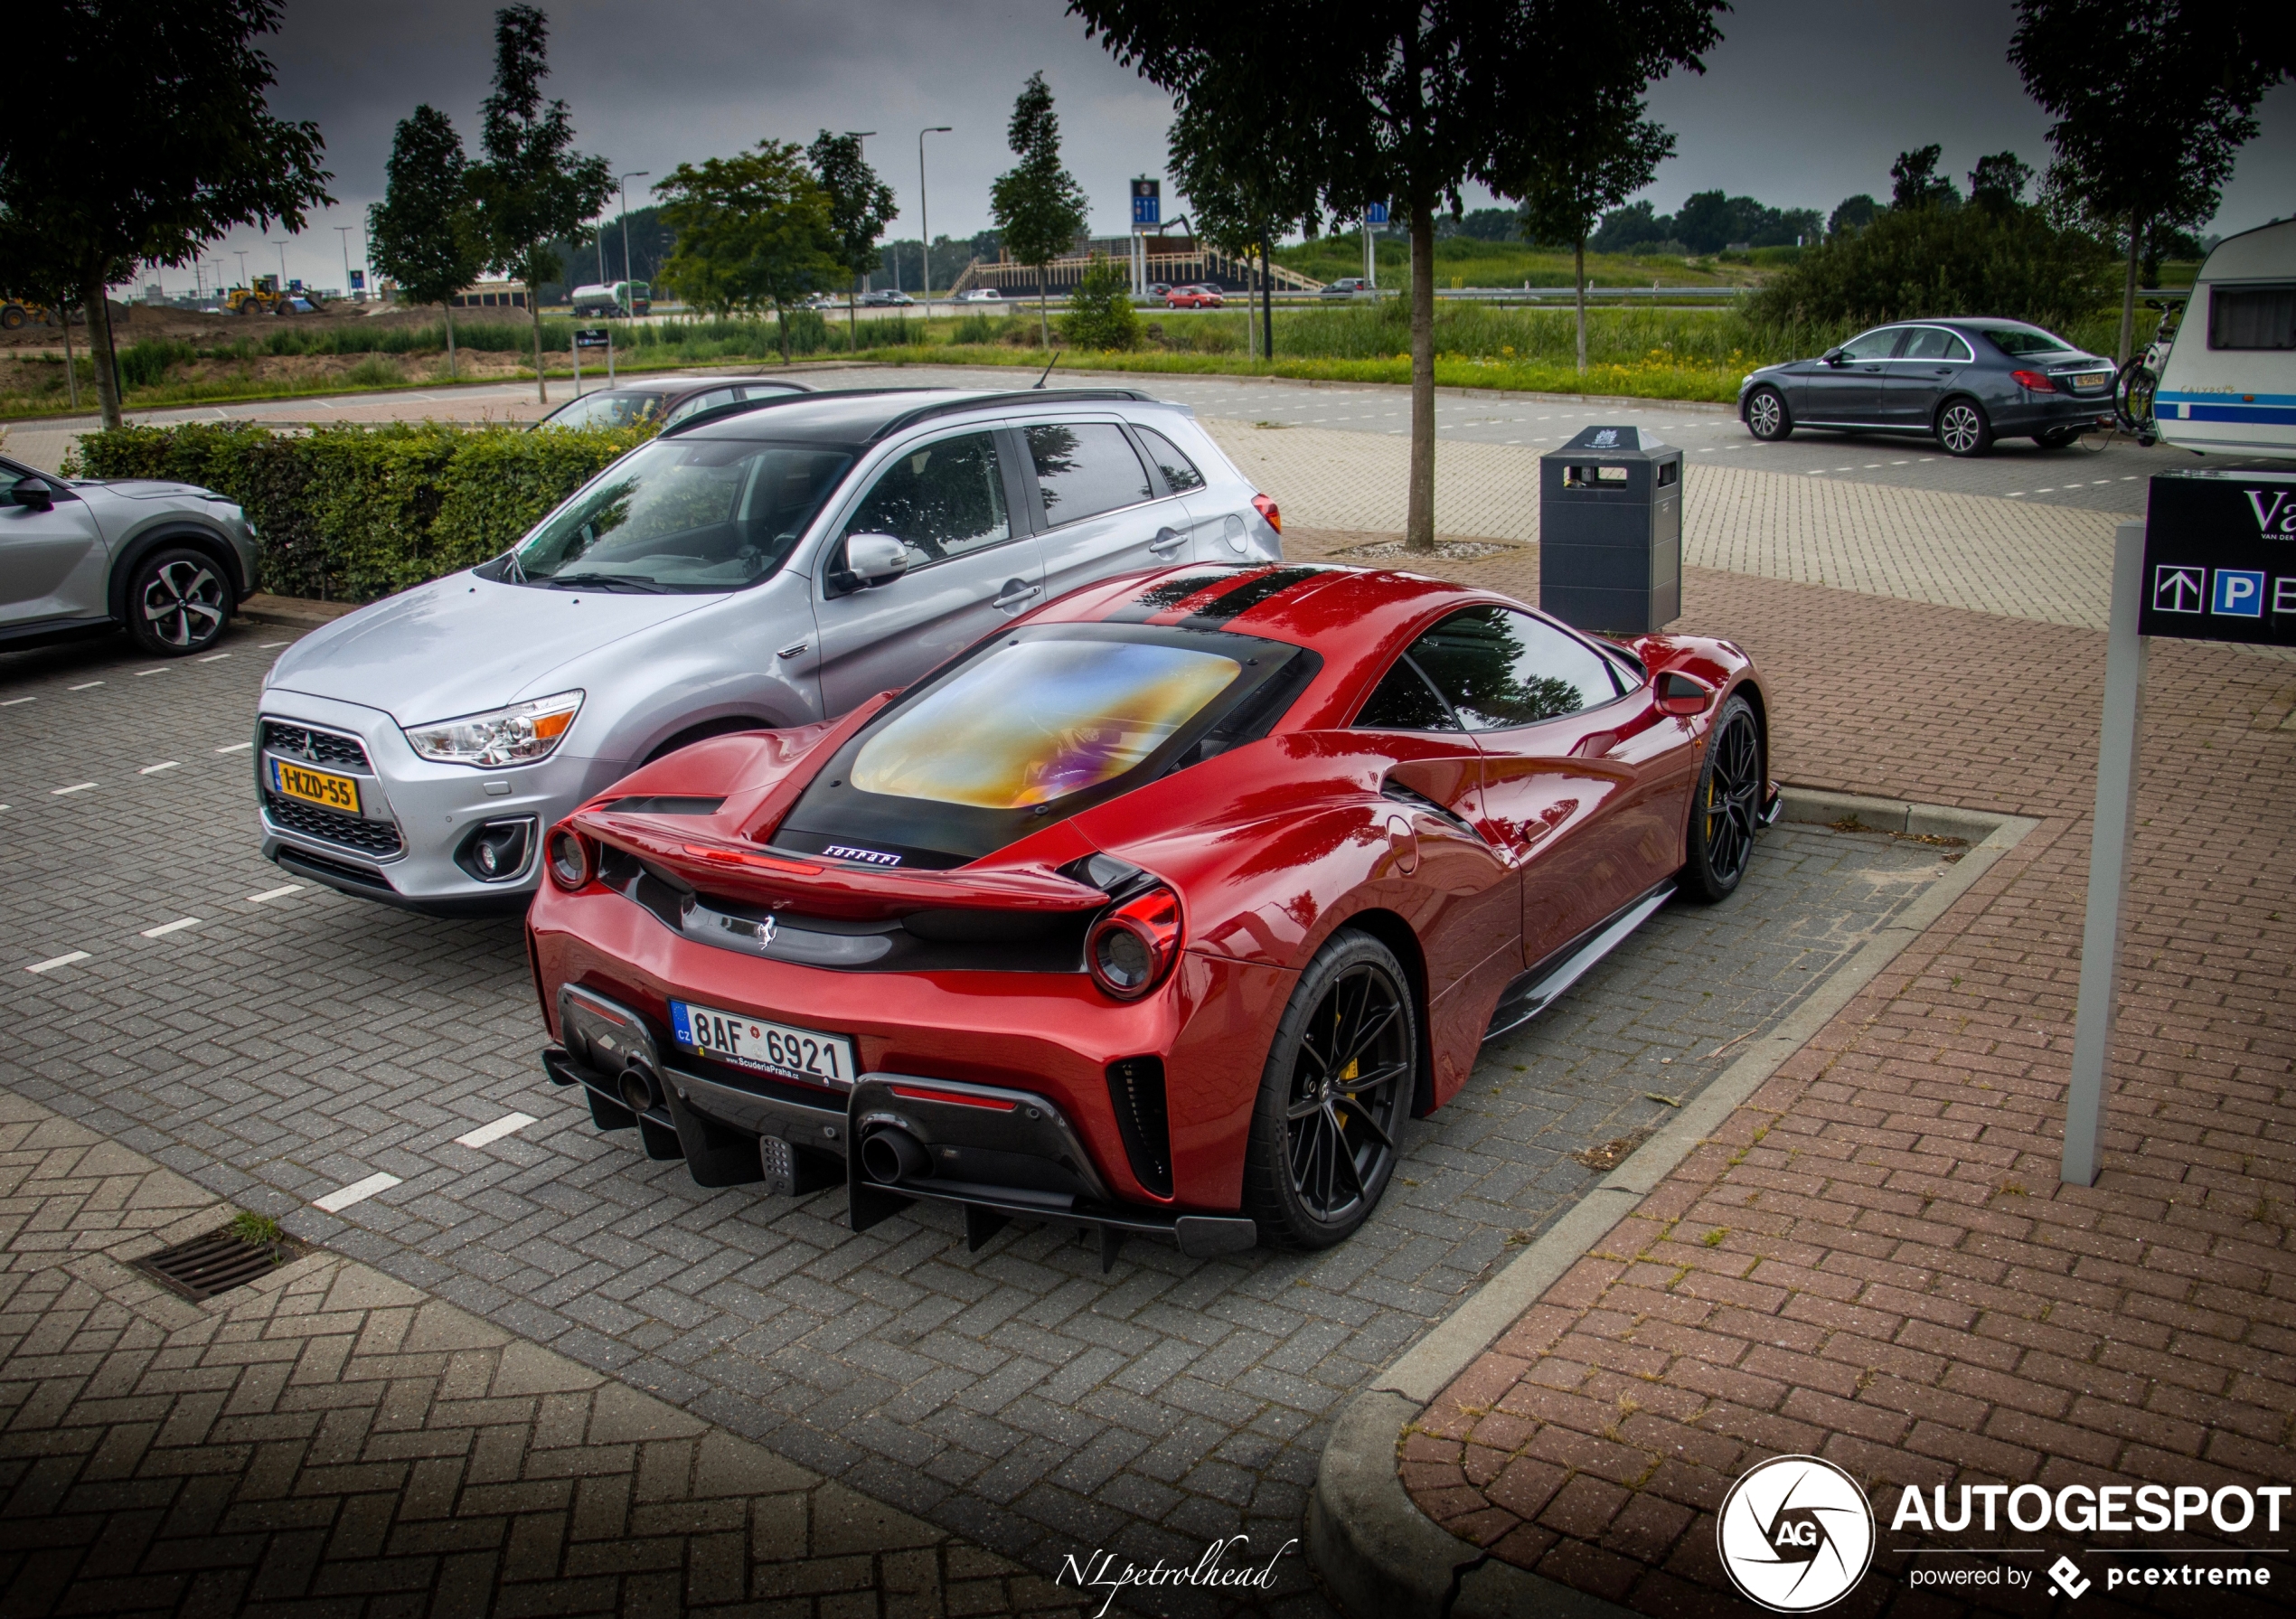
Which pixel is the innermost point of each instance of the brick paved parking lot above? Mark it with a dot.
(279, 1046)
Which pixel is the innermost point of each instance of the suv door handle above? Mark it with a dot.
(1015, 595)
(1167, 541)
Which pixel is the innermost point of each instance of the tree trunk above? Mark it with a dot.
(448, 306)
(852, 325)
(534, 308)
(2128, 291)
(1267, 296)
(781, 326)
(1044, 323)
(1582, 303)
(100, 349)
(72, 360)
(1418, 531)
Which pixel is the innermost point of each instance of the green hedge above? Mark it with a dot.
(349, 513)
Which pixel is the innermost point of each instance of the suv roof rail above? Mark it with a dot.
(894, 424)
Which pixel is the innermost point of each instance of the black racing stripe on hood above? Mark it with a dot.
(1164, 595)
(1217, 612)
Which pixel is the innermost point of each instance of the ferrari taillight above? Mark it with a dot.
(568, 857)
(1266, 508)
(1132, 948)
(2037, 382)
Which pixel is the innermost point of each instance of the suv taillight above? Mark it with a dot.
(2036, 381)
(1266, 508)
(1131, 949)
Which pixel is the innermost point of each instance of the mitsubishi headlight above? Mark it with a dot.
(520, 734)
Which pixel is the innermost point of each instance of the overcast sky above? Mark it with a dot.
(1804, 102)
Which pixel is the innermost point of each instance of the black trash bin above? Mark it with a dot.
(1610, 532)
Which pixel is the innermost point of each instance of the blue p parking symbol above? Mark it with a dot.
(2239, 594)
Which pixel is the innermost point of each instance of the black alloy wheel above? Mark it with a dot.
(1962, 429)
(1726, 810)
(1332, 1100)
(178, 603)
(1766, 416)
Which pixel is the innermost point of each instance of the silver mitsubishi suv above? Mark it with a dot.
(767, 563)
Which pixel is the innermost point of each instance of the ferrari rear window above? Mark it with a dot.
(1037, 720)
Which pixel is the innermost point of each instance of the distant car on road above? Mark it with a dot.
(885, 299)
(771, 565)
(1346, 287)
(665, 402)
(169, 561)
(979, 295)
(1963, 382)
(1156, 289)
(1200, 296)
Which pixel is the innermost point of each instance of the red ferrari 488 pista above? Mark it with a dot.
(1156, 912)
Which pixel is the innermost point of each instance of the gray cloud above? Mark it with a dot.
(1805, 101)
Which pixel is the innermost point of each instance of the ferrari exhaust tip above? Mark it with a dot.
(638, 1089)
(888, 1156)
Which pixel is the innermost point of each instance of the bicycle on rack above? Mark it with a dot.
(2139, 380)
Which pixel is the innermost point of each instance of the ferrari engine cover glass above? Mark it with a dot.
(1037, 720)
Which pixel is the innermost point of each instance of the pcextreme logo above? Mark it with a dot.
(1796, 1534)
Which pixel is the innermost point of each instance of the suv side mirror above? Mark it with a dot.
(873, 559)
(34, 493)
(1679, 695)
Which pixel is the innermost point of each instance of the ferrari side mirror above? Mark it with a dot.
(1680, 695)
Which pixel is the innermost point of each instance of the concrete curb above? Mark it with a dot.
(1379, 1554)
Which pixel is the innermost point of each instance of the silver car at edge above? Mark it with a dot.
(169, 561)
(769, 563)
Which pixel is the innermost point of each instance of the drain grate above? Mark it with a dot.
(215, 1263)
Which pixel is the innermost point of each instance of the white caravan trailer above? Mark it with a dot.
(2229, 386)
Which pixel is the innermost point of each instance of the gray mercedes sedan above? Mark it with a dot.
(1963, 382)
(767, 563)
(168, 561)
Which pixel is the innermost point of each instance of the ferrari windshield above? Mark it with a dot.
(1036, 720)
(682, 516)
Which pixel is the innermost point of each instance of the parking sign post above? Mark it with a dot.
(2215, 560)
(2117, 747)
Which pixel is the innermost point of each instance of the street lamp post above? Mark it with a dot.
(280, 242)
(632, 174)
(924, 223)
(243, 281)
(344, 233)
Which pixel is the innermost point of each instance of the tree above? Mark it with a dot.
(1915, 181)
(2000, 180)
(1404, 103)
(533, 187)
(753, 232)
(424, 234)
(1594, 162)
(2154, 99)
(1100, 312)
(861, 206)
(1914, 261)
(1244, 187)
(1853, 215)
(1039, 206)
(141, 136)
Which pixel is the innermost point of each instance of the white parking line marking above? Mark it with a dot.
(215, 657)
(358, 1192)
(236, 748)
(161, 670)
(65, 792)
(156, 769)
(13, 701)
(2013, 495)
(54, 962)
(270, 645)
(164, 929)
(1901, 464)
(280, 893)
(86, 685)
(510, 1124)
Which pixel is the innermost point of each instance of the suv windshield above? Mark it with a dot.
(683, 514)
(2017, 342)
